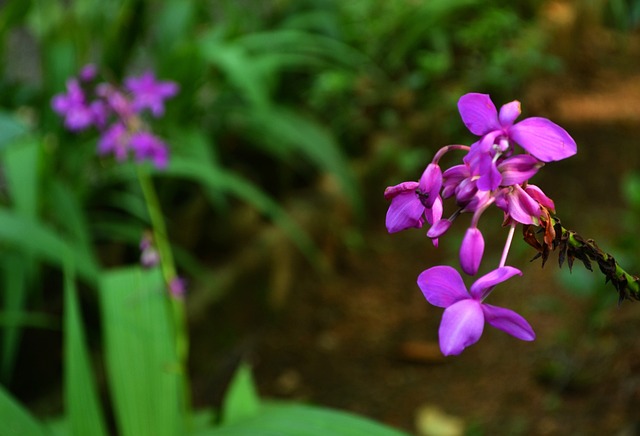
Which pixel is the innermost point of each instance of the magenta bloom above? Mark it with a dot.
(465, 312)
(147, 146)
(78, 115)
(543, 139)
(414, 202)
(149, 93)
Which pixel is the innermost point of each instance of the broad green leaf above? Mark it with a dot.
(289, 419)
(144, 374)
(15, 420)
(241, 400)
(10, 129)
(82, 404)
(15, 281)
(32, 236)
(310, 140)
(21, 167)
(69, 215)
(241, 70)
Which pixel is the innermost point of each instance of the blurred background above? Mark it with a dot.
(305, 111)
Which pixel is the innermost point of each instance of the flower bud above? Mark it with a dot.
(471, 251)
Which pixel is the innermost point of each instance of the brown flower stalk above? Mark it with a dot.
(571, 246)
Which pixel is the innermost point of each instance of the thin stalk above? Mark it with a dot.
(176, 304)
(507, 245)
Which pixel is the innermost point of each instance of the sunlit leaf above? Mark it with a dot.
(15, 420)
(144, 376)
(82, 404)
(241, 400)
(288, 419)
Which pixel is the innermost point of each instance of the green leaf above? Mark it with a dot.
(312, 141)
(216, 180)
(288, 419)
(83, 407)
(241, 400)
(144, 374)
(21, 168)
(10, 129)
(32, 236)
(15, 419)
(21, 165)
(15, 280)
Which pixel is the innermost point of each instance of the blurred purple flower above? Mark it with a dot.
(149, 93)
(114, 140)
(178, 287)
(465, 312)
(78, 115)
(147, 146)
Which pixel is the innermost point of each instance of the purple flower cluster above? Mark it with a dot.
(492, 172)
(117, 113)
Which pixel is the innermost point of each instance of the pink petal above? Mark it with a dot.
(405, 211)
(518, 169)
(430, 184)
(442, 286)
(439, 228)
(478, 113)
(461, 326)
(539, 196)
(521, 207)
(544, 139)
(481, 288)
(509, 112)
(403, 187)
(509, 322)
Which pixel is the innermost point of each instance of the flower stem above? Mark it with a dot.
(448, 148)
(176, 305)
(507, 245)
(572, 246)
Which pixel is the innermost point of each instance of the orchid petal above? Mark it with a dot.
(471, 251)
(405, 211)
(442, 286)
(430, 184)
(518, 169)
(509, 322)
(543, 138)
(435, 213)
(452, 177)
(480, 200)
(478, 113)
(461, 326)
(509, 112)
(539, 196)
(490, 178)
(393, 191)
(481, 288)
(465, 191)
(521, 207)
(439, 228)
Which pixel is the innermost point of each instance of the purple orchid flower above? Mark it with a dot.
(465, 312)
(414, 202)
(149, 93)
(519, 205)
(147, 146)
(542, 138)
(78, 115)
